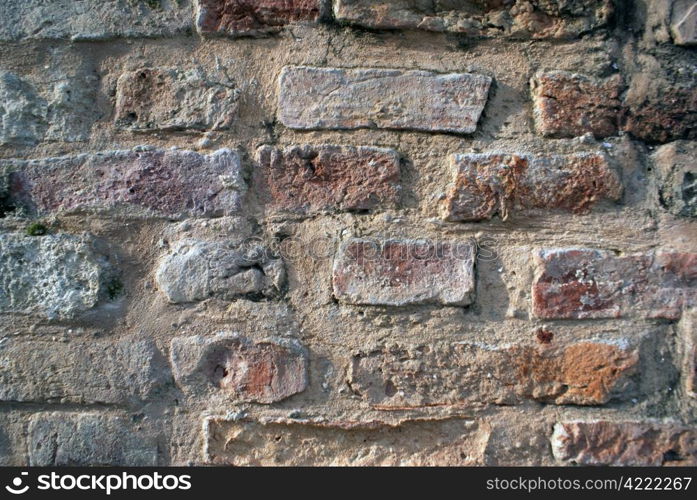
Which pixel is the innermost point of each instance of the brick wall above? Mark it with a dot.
(348, 232)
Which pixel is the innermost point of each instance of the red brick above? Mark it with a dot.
(451, 374)
(585, 283)
(238, 368)
(252, 17)
(624, 443)
(167, 183)
(317, 442)
(570, 105)
(492, 184)
(400, 272)
(314, 179)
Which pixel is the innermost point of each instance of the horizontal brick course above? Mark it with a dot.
(401, 272)
(308, 180)
(333, 98)
(172, 183)
(492, 184)
(459, 373)
(585, 283)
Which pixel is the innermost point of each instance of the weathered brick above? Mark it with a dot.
(79, 371)
(624, 443)
(492, 184)
(555, 19)
(586, 283)
(252, 17)
(309, 179)
(197, 270)
(683, 25)
(238, 368)
(677, 177)
(54, 276)
(93, 19)
(570, 105)
(332, 98)
(661, 101)
(170, 99)
(417, 442)
(583, 373)
(172, 183)
(400, 272)
(88, 439)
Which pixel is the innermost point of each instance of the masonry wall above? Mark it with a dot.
(356, 232)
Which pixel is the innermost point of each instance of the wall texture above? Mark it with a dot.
(354, 232)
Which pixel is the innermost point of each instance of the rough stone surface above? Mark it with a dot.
(80, 371)
(400, 272)
(308, 180)
(252, 17)
(586, 283)
(242, 370)
(21, 111)
(171, 183)
(332, 98)
(170, 99)
(54, 276)
(341, 443)
(688, 337)
(93, 19)
(492, 184)
(584, 373)
(65, 113)
(683, 24)
(81, 439)
(197, 270)
(570, 105)
(677, 190)
(624, 443)
(661, 100)
(537, 19)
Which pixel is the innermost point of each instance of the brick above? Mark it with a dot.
(170, 99)
(661, 101)
(586, 283)
(88, 439)
(624, 443)
(93, 19)
(171, 183)
(571, 105)
(451, 374)
(238, 368)
(401, 272)
(418, 442)
(54, 276)
(683, 25)
(309, 180)
(196, 270)
(677, 177)
(252, 17)
(79, 371)
(343, 99)
(554, 19)
(490, 184)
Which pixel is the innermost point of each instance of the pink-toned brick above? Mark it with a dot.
(170, 183)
